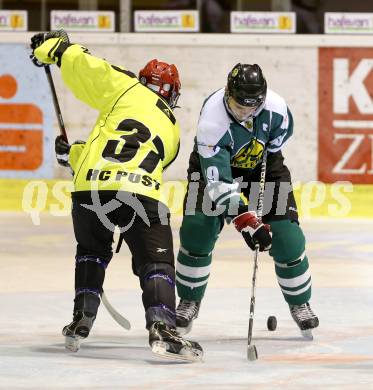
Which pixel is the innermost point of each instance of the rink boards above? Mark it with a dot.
(314, 199)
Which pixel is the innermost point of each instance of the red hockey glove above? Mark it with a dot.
(253, 230)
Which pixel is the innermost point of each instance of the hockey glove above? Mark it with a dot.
(47, 48)
(253, 230)
(62, 149)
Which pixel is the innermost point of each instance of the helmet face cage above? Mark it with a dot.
(163, 79)
(247, 85)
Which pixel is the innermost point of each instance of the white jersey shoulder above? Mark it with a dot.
(275, 103)
(213, 123)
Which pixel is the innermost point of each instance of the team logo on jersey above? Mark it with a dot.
(249, 156)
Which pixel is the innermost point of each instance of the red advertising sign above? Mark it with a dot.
(20, 149)
(345, 115)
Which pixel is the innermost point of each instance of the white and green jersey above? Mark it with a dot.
(223, 143)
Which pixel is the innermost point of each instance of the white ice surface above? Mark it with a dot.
(36, 281)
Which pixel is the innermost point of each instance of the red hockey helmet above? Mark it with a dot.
(163, 79)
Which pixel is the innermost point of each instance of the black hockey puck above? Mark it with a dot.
(271, 323)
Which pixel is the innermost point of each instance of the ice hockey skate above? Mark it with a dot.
(305, 318)
(77, 330)
(186, 313)
(167, 343)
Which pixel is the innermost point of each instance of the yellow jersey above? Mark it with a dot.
(136, 135)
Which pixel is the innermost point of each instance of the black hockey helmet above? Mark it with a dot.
(247, 85)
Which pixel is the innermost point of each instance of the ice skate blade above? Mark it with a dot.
(159, 348)
(184, 330)
(72, 343)
(252, 353)
(307, 334)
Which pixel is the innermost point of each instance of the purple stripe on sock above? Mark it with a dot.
(160, 275)
(165, 308)
(93, 291)
(82, 259)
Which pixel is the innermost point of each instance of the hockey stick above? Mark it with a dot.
(62, 34)
(123, 322)
(61, 124)
(252, 353)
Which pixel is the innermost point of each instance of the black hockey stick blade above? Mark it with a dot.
(252, 353)
(123, 322)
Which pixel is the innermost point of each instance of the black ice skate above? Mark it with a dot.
(166, 342)
(305, 318)
(78, 329)
(186, 312)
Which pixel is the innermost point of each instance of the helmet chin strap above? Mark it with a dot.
(225, 100)
(244, 119)
(254, 113)
(174, 99)
(239, 120)
(260, 108)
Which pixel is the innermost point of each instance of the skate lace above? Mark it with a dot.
(302, 312)
(187, 309)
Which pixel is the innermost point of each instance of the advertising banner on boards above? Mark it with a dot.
(345, 130)
(263, 22)
(348, 23)
(163, 21)
(26, 116)
(83, 21)
(13, 20)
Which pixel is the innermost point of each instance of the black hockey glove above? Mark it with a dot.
(40, 38)
(51, 54)
(62, 149)
(253, 230)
